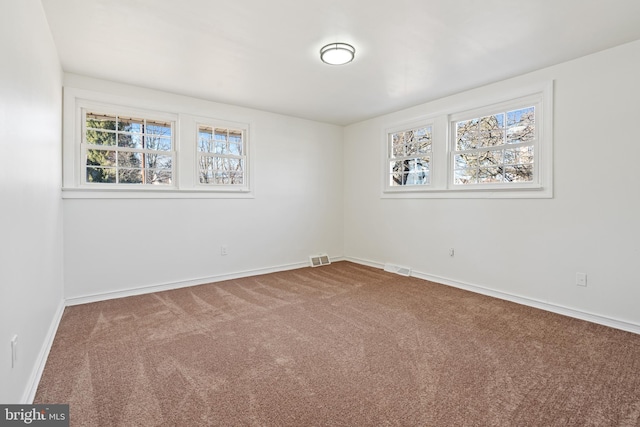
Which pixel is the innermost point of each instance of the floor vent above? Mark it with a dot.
(392, 268)
(318, 260)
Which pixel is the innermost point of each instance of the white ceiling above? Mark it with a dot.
(264, 54)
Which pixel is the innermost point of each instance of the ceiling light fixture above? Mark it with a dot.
(337, 53)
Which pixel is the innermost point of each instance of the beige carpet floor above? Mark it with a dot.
(340, 345)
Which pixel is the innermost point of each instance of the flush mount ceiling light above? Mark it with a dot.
(337, 53)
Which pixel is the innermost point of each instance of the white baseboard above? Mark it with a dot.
(368, 263)
(554, 308)
(183, 283)
(41, 361)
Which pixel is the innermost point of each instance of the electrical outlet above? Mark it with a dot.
(14, 351)
(581, 279)
(224, 250)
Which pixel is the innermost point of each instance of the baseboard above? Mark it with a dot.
(41, 361)
(554, 308)
(365, 262)
(184, 283)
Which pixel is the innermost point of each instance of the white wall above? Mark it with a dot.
(115, 245)
(591, 225)
(31, 292)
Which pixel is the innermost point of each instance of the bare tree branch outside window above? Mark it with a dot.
(495, 148)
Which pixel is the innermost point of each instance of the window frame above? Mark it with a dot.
(245, 156)
(443, 151)
(121, 112)
(389, 157)
(503, 107)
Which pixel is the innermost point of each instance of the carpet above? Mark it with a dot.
(339, 345)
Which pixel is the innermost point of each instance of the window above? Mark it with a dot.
(116, 146)
(127, 150)
(221, 156)
(409, 156)
(498, 149)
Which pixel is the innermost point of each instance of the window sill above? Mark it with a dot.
(530, 192)
(155, 193)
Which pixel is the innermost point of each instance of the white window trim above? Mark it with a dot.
(186, 183)
(442, 186)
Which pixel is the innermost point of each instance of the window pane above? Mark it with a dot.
(206, 164)
(466, 140)
(418, 177)
(100, 121)
(206, 177)
(397, 144)
(220, 178)
(235, 164)
(129, 140)
(418, 141)
(129, 160)
(467, 126)
(205, 140)
(399, 166)
(490, 138)
(156, 143)
(220, 141)
(516, 117)
(411, 171)
(463, 161)
(398, 178)
(130, 176)
(235, 142)
(419, 172)
(490, 175)
(158, 161)
(518, 134)
(95, 137)
(411, 146)
(158, 176)
(101, 158)
(128, 124)
(466, 134)
(221, 134)
(492, 122)
(221, 170)
(218, 163)
(158, 128)
(490, 158)
(465, 176)
(220, 146)
(237, 178)
(102, 175)
(518, 173)
(235, 148)
(519, 155)
(412, 142)
(521, 125)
